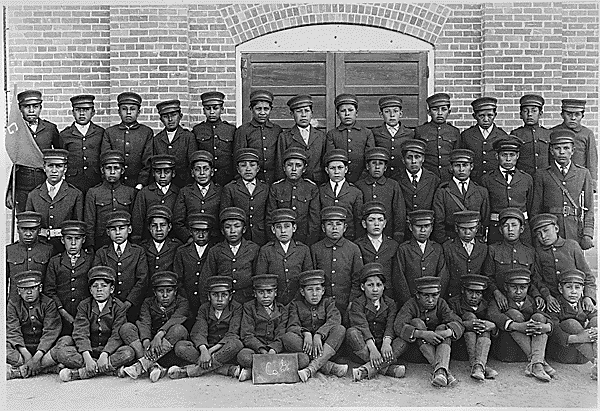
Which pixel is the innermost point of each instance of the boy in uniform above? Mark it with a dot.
(305, 136)
(297, 193)
(528, 326)
(428, 320)
(565, 190)
(284, 256)
(82, 140)
(66, 277)
(392, 133)
(215, 338)
(350, 136)
(96, 347)
(419, 257)
(372, 318)
(315, 329)
(536, 139)
(472, 308)
(55, 199)
(160, 248)
(202, 196)
(105, 198)
(248, 193)
(508, 186)
(261, 134)
(161, 191)
(338, 192)
(480, 137)
(130, 138)
(32, 328)
(461, 193)
(28, 253)
(158, 330)
(45, 134)
(439, 136)
(216, 136)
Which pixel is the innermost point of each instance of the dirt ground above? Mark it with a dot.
(573, 389)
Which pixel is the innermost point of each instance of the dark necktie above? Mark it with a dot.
(119, 251)
(463, 188)
(414, 181)
(564, 171)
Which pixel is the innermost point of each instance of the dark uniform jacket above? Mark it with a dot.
(444, 206)
(440, 140)
(217, 138)
(160, 260)
(131, 269)
(209, 330)
(302, 196)
(351, 198)
(187, 264)
(153, 318)
(383, 138)
(221, 261)
(373, 323)
(585, 153)
(459, 262)
(147, 197)
(189, 201)
(440, 314)
(235, 194)
(412, 263)
(534, 153)
(485, 156)
(500, 318)
(315, 319)
(84, 155)
(288, 266)
(100, 330)
(342, 262)
(460, 307)
(261, 330)
(21, 257)
(356, 140)
(384, 256)
(388, 192)
(131, 142)
(262, 137)
(315, 169)
(99, 202)
(66, 205)
(568, 312)
(504, 256)
(32, 324)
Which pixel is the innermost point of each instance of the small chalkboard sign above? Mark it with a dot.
(275, 368)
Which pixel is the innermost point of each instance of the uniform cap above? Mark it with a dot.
(428, 284)
(532, 100)
(562, 136)
(312, 277)
(484, 103)
(474, 282)
(164, 278)
(333, 213)
(200, 221)
(212, 97)
(438, 99)
(82, 100)
(372, 207)
(73, 227)
(129, 97)
(371, 269)
(247, 154)
(219, 281)
(261, 95)
(461, 154)
(29, 97)
(300, 101)
(201, 155)
(413, 144)
(390, 101)
(377, 153)
(295, 152)
(264, 281)
(232, 213)
(282, 215)
(511, 212)
(163, 161)
(337, 154)
(570, 104)
(168, 106)
(467, 218)
(542, 220)
(29, 219)
(421, 217)
(101, 272)
(345, 99)
(159, 210)
(29, 278)
(55, 156)
(517, 276)
(509, 143)
(116, 218)
(572, 275)
(111, 157)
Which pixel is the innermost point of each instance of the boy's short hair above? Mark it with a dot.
(345, 98)
(312, 277)
(484, 103)
(73, 227)
(571, 275)
(373, 207)
(101, 272)
(164, 279)
(28, 278)
(474, 282)
(159, 211)
(160, 161)
(371, 270)
(264, 281)
(437, 100)
(542, 220)
(232, 213)
(83, 101)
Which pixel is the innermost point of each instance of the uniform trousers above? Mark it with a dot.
(533, 346)
(66, 353)
(129, 333)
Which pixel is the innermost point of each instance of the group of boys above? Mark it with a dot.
(154, 259)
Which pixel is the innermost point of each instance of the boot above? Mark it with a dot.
(482, 350)
(477, 372)
(332, 368)
(176, 372)
(157, 372)
(471, 343)
(549, 370)
(440, 379)
(452, 381)
(12, 372)
(229, 370)
(246, 374)
(364, 371)
(396, 371)
(537, 370)
(139, 368)
(316, 364)
(71, 374)
(490, 373)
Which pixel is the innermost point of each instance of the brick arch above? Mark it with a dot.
(248, 21)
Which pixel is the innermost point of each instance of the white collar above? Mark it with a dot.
(82, 129)
(375, 239)
(115, 245)
(458, 182)
(250, 182)
(568, 166)
(285, 246)
(200, 249)
(101, 305)
(418, 174)
(158, 246)
(341, 183)
(485, 133)
(164, 189)
(56, 186)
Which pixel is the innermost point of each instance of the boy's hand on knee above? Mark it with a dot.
(103, 362)
(317, 346)
(540, 303)
(375, 358)
(35, 364)
(553, 305)
(518, 327)
(307, 345)
(90, 364)
(431, 337)
(386, 350)
(205, 358)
